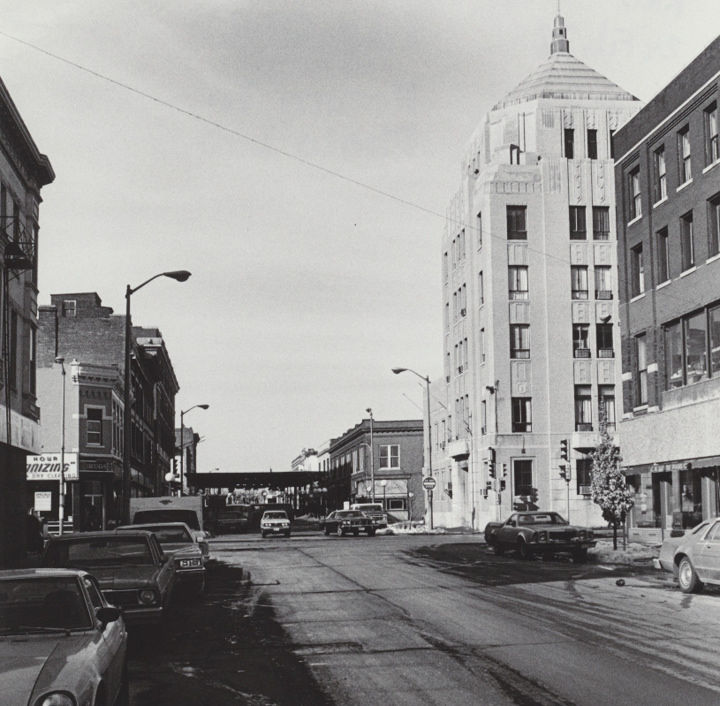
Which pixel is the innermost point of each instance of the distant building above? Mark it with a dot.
(185, 461)
(391, 455)
(529, 282)
(23, 172)
(667, 178)
(91, 339)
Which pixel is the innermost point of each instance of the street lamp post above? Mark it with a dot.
(372, 457)
(61, 496)
(179, 276)
(182, 441)
(426, 378)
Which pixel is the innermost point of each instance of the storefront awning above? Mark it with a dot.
(668, 466)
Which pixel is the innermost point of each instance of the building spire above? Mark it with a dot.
(560, 43)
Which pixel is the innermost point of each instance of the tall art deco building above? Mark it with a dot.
(529, 275)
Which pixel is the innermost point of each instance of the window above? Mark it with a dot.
(674, 368)
(714, 331)
(483, 417)
(445, 266)
(641, 397)
(687, 241)
(712, 141)
(606, 405)
(603, 282)
(583, 408)
(583, 473)
(581, 344)
(601, 222)
(604, 340)
(637, 271)
(522, 477)
(519, 341)
(481, 345)
(663, 255)
(518, 281)
(635, 196)
(578, 229)
(714, 225)
(390, 456)
(579, 281)
(481, 288)
(569, 142)
(660, 173)
(32, 362)
(479, 230)
(521, 414)
(696, 366)
(684, 159)
(69, 307)
(592, 151)
(612, 144)
(13, 358)
(516, 222)
(94, 426)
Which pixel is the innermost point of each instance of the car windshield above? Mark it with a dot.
(275, 516)
(99, 552)
(169, 534)
(541, 518)
(146, 517)
(42, 604)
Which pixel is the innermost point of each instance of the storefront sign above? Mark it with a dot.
(47, 467)
(96, 466)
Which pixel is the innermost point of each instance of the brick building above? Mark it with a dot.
(91, 340)
(23, 172)
(668, 223)
(396, 465)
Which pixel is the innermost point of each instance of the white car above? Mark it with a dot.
(61, 642)
(275, 522)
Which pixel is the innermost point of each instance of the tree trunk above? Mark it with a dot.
(615, 536)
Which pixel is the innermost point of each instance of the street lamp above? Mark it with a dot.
(61, 496)
(426, 378)
(179, 276)
(372, 457)
(182, 441)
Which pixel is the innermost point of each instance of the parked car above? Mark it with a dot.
(341, 522)
(374, 511)
(131, 568)
(536, 532)
(693, 558)
(231, 518)
(61, 642)
(275, 522)
(177, 541)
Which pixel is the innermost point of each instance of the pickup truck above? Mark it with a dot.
(545, 533)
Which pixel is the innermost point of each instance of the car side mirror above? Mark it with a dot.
(107, 614)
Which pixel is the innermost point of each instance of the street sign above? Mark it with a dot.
(47, 467)
(429, 483)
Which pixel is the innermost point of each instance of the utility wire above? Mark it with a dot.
(302, 160)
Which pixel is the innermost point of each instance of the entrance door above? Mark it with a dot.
(93, 512)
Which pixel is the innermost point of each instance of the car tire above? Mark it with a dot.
(339, 532)
(579, 556)
(687, 577)
(524, 550)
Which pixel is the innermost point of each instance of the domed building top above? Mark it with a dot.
(563, 76)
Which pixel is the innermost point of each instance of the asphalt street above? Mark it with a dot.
(426, 620)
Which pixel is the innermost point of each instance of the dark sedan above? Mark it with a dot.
(131, 568)
(341, 522)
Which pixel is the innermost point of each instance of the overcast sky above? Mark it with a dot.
(307, 287)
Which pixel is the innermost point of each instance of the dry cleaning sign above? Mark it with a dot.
(47, 467)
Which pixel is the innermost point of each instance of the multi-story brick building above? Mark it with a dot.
(529, 298)
(91, 340)
(668, 223)
(395, 466)
(23, 172)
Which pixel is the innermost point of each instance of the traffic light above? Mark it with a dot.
(563, 472)
(502, 485)
(491, 463)
(504, 470)
(564, 449)
(175, 465)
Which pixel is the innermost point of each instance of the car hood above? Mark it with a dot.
(182, 549)
(34, 663)
(117, 578)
